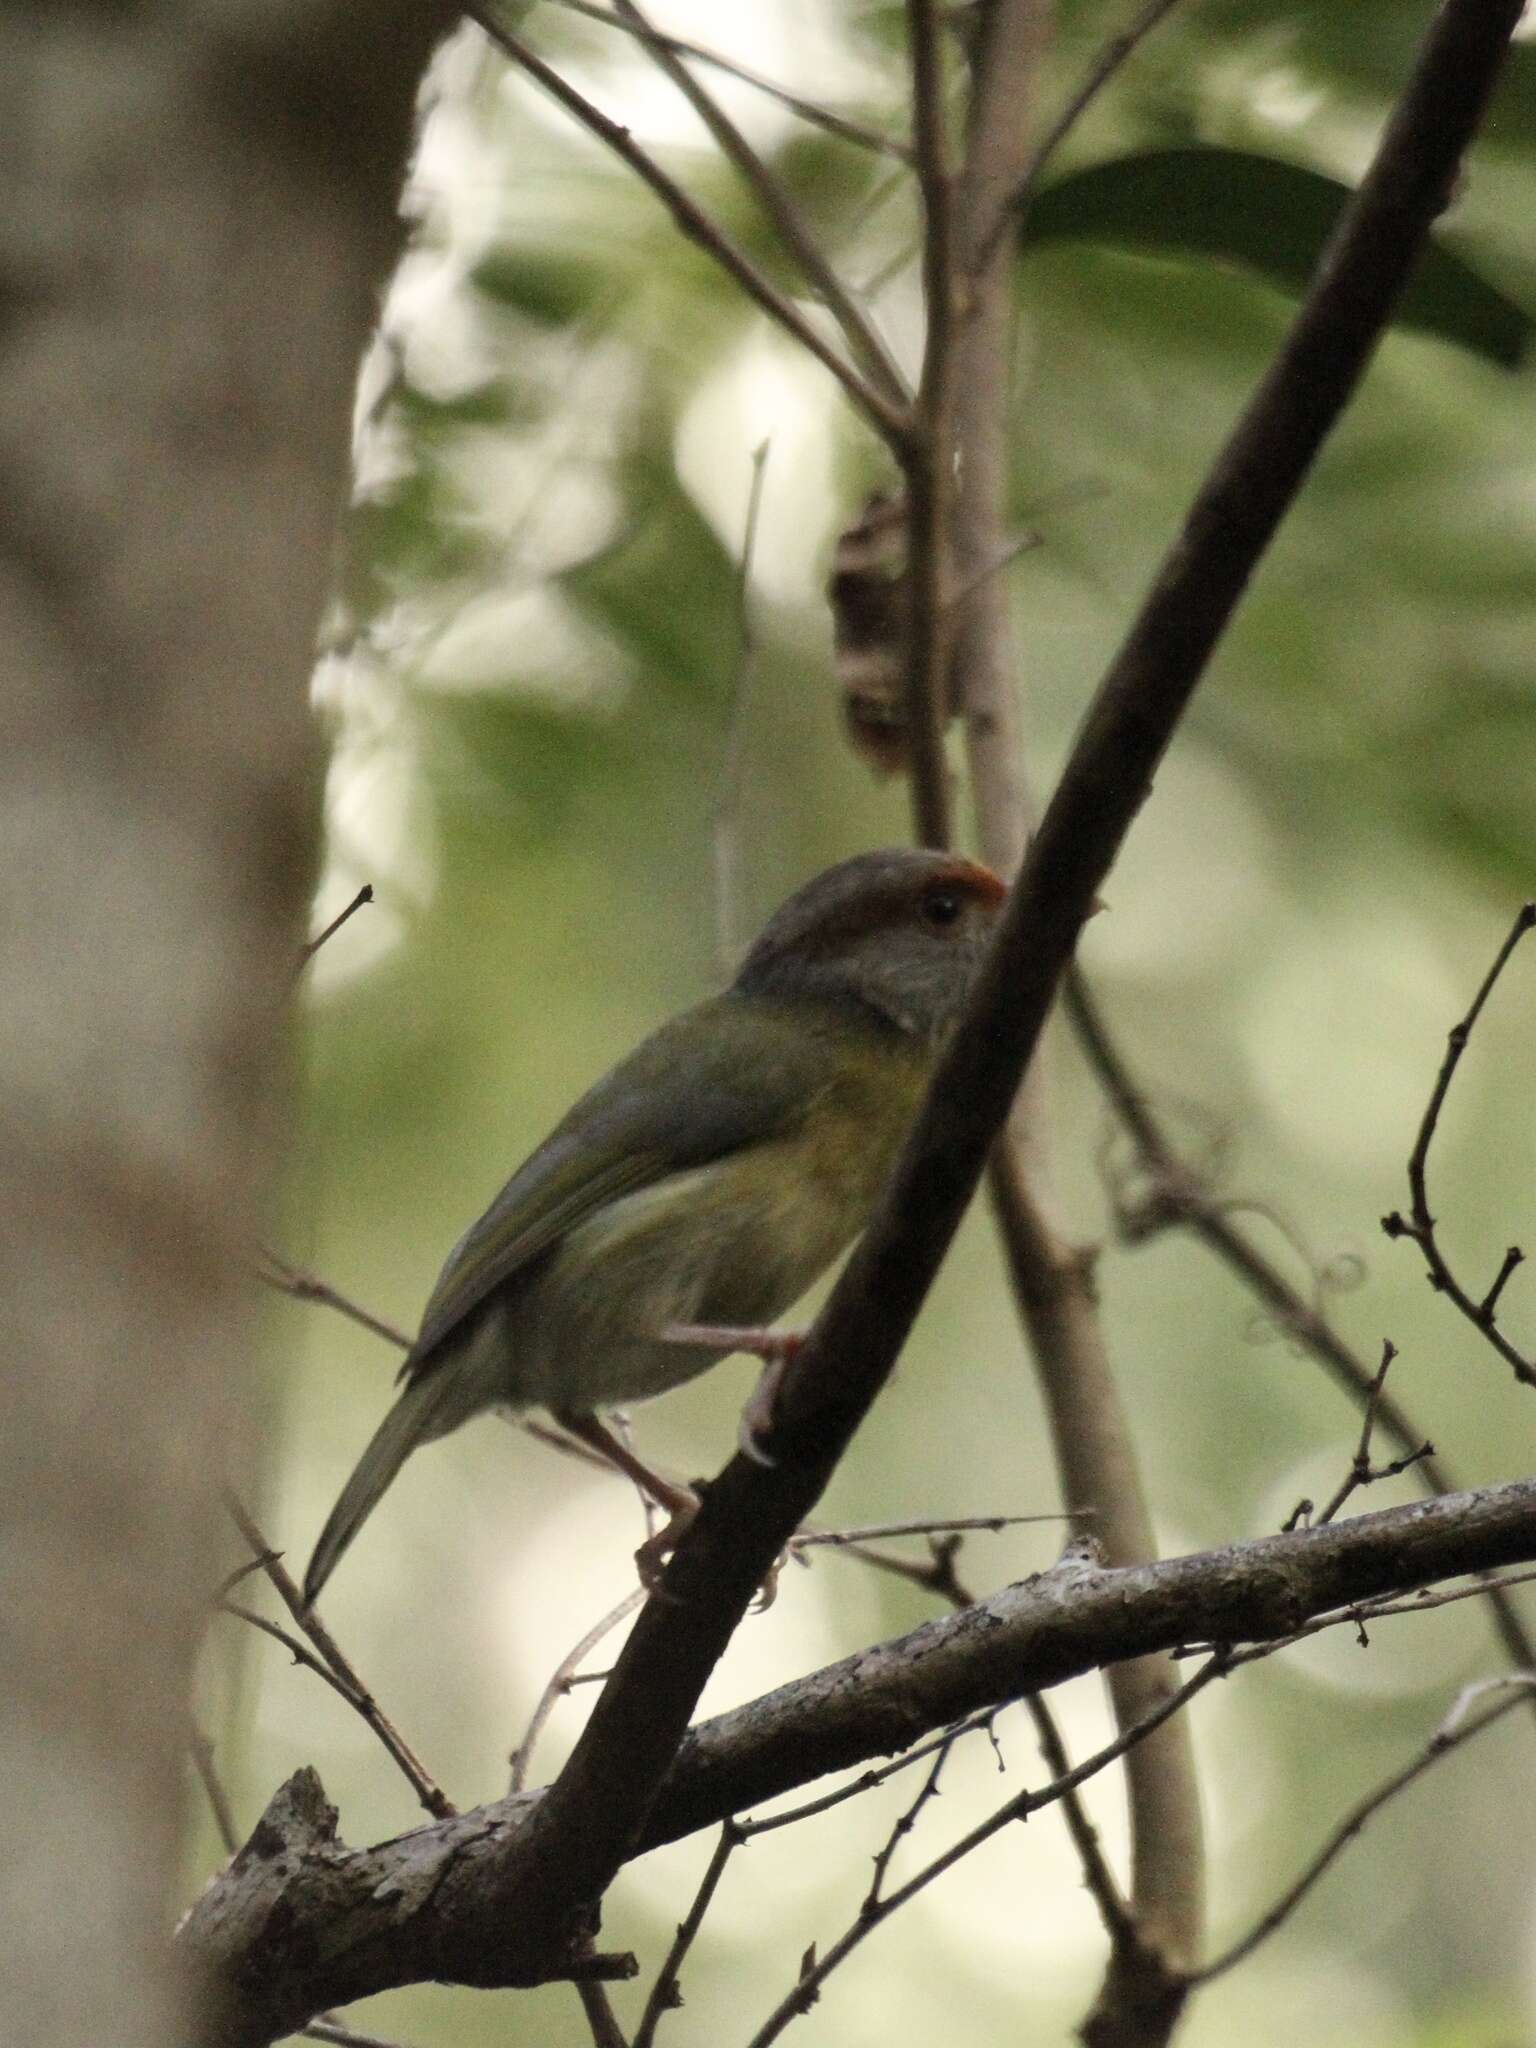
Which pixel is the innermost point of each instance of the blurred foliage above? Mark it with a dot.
(534, 677)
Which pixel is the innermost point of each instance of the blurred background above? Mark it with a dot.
(542, 732)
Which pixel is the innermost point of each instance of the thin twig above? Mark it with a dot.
(727, 819)
(302, 1286)
(1453, 1731)
(595, 2003)
(213, 1787)
(1189, 1204)
(665, 1994)
(866, 1781)
(876, 1531)
(1420, 1224)
(1100, 72)
(808, 110)
(860, 333)
(561, 1681)
(308, 952)
(338, 1668)
(1097, 1875)
(342, 2036)
(1361, 1472)
(299, 1651)
(888, 421)
(1016, 1809)
(905, 1822)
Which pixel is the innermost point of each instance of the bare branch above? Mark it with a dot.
(888, 421)
(1053, 1280)
(332, 1664)
(873, 1914)
(860, 333)
(1100, 72)
(1188, 1203)
(929, 453)
(1453, 1731)
(308, 952)
(811, 111)
(1420, 1224)
(563, 1678)
(467, 1899)
(665, 1994)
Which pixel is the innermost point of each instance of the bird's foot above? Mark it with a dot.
(776, 1348)
(651, 1557)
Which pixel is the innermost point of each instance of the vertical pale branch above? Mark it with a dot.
(1052, 1280)
(928, 454)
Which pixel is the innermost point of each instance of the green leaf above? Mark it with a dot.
(1268, 217)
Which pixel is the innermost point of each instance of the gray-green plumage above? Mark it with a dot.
(708, 1178)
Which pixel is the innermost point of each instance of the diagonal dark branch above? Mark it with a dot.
(597, 1810)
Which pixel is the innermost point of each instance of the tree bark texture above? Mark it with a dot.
(197, 207)
(299, 1920)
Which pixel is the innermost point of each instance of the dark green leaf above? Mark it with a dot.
(1268, 217)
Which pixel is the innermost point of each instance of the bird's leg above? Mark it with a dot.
(680, 1502)
(776, 1348)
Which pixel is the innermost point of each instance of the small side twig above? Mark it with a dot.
(666, 1995)
(201, 1751)
(1361, 1471)
(810, 111)
(860, 333)
(1419, 1226)
(307, 952)
(888, 421)
(906, 1821)
(1017, 1809)
(1453, 1731)
(727, 818)
(1119, 1923)
(866, 1781)
(561, 1681)
(1100, 72)
(332, 1663)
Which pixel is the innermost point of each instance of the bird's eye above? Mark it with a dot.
(940, 908)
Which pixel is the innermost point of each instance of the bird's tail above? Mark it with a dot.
(415, 1419)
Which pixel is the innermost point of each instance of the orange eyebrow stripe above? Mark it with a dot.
(971, 875)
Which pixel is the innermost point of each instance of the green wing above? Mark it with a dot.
(728, 1074)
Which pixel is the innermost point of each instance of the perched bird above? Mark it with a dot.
(700, 1187)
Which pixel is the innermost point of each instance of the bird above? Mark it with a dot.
(700, 1187)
